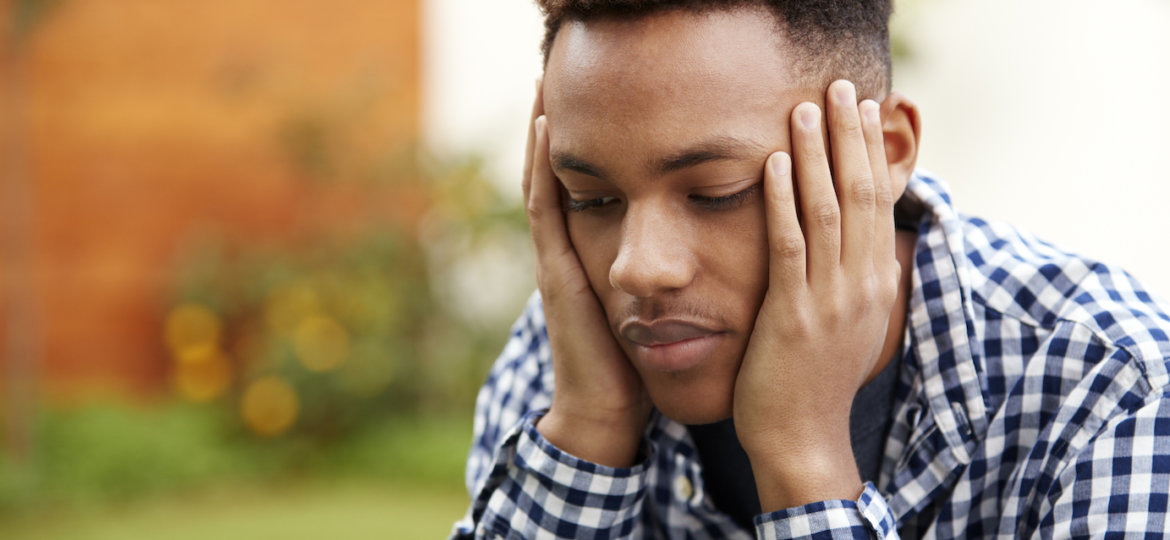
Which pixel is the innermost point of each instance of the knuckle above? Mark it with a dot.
(863, 288)
(890, 286)
(788, 246)
(799, 325)
(826, 214)
(889, 296)
(547, 282)
(871, 292)
(861, 191)
(883, 196)
(837, 310)
(534, 211)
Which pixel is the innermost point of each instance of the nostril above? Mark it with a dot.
(650, 258)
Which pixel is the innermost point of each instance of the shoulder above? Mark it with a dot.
(520, 381)
(1031, 299)
(522, 374)
(1023, 277)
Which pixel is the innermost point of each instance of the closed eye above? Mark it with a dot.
(575, 205)
(726, 202)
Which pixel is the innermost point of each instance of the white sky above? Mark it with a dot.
(1049, 114)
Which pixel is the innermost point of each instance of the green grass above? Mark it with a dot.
(114, 472)
(308, 510)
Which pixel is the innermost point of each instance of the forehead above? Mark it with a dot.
(669, 73)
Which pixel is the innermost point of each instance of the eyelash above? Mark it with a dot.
(715, 204)
(726, 202)
(573, 205)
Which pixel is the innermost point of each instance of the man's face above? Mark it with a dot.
(659, 129)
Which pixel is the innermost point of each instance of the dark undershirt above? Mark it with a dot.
(727, 472)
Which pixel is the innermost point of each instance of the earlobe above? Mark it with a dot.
(901, 127)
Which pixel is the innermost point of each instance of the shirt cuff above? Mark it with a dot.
(551, 491)
(867, 517)
(578, 478)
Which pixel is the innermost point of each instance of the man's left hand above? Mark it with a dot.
(833, 280)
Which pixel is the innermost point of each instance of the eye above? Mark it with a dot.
(574, 205)
(726, 202)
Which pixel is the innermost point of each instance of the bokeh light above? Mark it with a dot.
(321, 343)
(288, 305)
(269, 405)
(202, 376)
(192, 330)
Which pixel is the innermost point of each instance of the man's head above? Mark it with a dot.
(827, 39)
(659, 124)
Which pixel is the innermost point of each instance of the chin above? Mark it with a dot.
(702, 401)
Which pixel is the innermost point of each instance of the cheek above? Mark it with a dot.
(738, 248)
(596, 244)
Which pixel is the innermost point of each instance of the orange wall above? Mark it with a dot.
(150, 122)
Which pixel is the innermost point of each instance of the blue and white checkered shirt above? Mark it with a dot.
(1032, 403)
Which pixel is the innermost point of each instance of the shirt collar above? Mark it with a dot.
(940, 320)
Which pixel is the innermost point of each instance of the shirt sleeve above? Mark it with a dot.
(1118, 485)
(521, 486)
(867, 517)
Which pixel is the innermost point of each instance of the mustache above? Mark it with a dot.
(650, 310)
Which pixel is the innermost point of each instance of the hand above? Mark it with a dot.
(833, 280)
(599, 407)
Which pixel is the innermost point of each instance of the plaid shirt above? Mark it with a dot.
(1032, 402)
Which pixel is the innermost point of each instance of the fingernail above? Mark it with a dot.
(845, 91)
(780, 164)
(810, 116)
(870, 111)
(540, 125)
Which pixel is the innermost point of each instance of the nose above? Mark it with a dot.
(654, 256)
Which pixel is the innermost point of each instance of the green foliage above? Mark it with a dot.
(428, 450)
(101, 451)
(357, 324)
(104, 454)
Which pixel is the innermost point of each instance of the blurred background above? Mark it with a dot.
(257, 256)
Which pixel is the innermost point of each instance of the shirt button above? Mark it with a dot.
(683, 489)
(961, 419)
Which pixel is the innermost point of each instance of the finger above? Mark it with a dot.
(786, 264)
(851, 173)
(883, 242)
(821, 216)
(545, 218)
(537, 110)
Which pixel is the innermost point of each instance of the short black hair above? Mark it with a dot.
(838, 39)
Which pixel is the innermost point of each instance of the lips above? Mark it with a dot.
(670, 345)
(662, 332)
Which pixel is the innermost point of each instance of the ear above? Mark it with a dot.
(901, 126)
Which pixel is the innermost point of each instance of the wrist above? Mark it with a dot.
(801, 468)
(612, 442)
(806, 479)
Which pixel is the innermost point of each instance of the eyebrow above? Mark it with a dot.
(715, 149)
(562, 161)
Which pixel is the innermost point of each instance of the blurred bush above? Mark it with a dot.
(347, 352)
(316, 341)
(116, 453)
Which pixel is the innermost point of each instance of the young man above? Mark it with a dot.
(737, 327)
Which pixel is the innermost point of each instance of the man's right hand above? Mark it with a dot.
(600, 408)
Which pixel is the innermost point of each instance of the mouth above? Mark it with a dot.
(670, 345)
